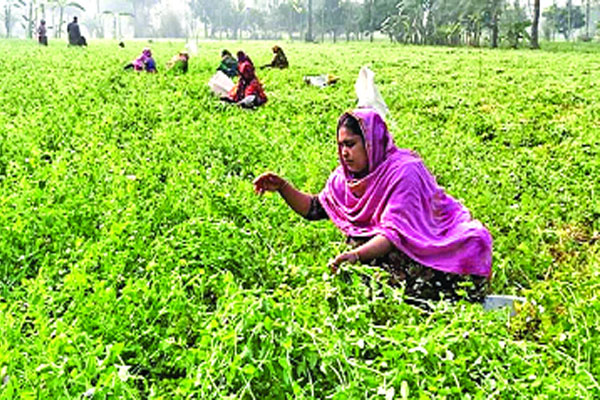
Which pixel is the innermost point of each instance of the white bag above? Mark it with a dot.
(317, 80)
(321, 80)
(220, 84)
(368, 94)
(192, 48)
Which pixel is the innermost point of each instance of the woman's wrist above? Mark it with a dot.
(356, 255)
(283, 186)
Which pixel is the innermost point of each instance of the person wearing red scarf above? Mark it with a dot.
(248, 92)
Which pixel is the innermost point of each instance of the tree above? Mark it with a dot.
(141, 10)
(8, 16)
(550, 25)
(492, 14)
(253, 21)
(564, 19)
(237, 15)
(350, 15)
(95, 26)
(204, 11)
(28, 16)
(534, 26)
(571, 18)
(289, 16)
(309, 34)
(514, 24)
(170, 25)
(62, 5)
(116, 22)
(397, 25)
(332, 17)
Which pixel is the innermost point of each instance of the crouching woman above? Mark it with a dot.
(391, 208)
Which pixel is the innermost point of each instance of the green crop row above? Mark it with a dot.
(136, 262)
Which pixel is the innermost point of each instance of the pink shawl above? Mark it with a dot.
(401, 200)
(140, 62)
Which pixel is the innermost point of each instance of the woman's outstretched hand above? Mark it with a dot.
(269, 182)
(349, 257)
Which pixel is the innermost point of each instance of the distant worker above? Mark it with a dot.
(248, 92)
(144, 62)
(150, 66)
(75, 38)
(279, 59)
(228, 64)
(179, 62)
(42, 33)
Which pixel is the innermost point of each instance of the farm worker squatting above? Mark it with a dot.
(248, 92)
(391, 208)
(228, 64)
(179, 62)
(143, 62)
(279, 59)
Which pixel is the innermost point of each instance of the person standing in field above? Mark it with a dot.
(75, 38)
(279, 59)
(393, 212)
(248, 91)
(228, 64)
(42, 33)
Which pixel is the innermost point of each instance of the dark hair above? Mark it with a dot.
(225, 53)
(351, 123)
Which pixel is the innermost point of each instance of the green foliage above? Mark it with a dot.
(135, 261)
(563, 20)
(170, 26)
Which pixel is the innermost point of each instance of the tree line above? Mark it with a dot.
(438, 22)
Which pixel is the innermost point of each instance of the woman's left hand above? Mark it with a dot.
(349, 257)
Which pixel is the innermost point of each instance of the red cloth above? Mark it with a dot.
(247, 85)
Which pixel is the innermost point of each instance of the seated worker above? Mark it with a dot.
(150, 65)
(144, 62)
(228, 64)
(248, 92)
(279, 59)
(75, 38)
(179, 62)
(390, 206)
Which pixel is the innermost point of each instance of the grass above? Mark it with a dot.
(135, 261)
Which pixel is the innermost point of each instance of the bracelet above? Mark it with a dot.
(285, 184)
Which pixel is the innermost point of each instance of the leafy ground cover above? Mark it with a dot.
(135, 261)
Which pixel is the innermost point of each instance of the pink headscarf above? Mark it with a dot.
(400, 199)
(139, 62)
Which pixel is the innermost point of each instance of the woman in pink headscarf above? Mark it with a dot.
(143, 62)
(391, 208)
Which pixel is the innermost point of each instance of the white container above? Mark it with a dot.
(495, 301)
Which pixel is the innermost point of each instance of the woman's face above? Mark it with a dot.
(353, 151)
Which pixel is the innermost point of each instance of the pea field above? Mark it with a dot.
(137, 263)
